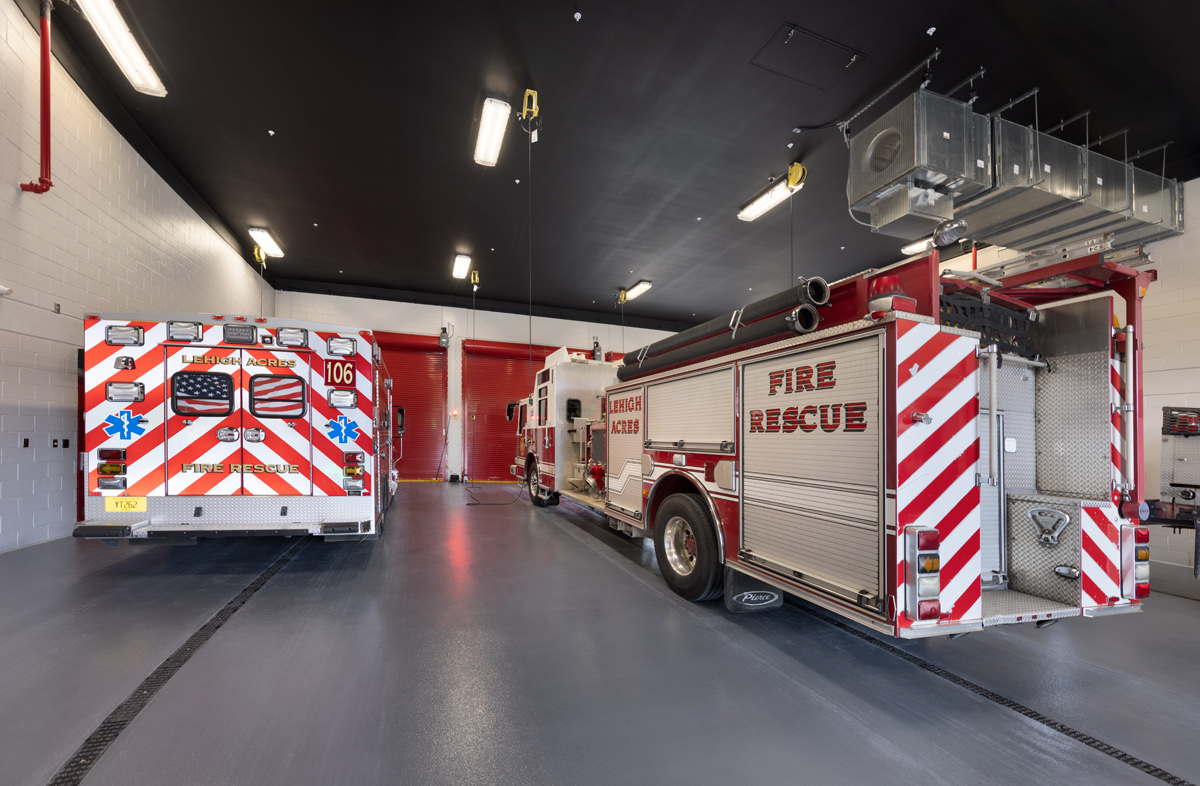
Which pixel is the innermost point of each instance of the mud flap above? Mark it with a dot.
(744, 593)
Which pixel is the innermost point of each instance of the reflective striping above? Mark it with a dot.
(940, 392)
(958, 428)
(1101, 554)
(936, 463)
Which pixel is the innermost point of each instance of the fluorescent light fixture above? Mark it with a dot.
(637, 289)
(462, 265)
(920, 247)
(787, 185)
(119, 41)
(266, 242)
(492, 124)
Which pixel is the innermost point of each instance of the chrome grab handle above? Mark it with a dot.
(227, 434)
(255, 435)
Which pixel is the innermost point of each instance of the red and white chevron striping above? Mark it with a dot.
(1101, 558)
(936, 462)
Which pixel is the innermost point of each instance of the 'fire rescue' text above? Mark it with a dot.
(807, 417)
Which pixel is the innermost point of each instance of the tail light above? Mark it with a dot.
(929, 610)
(1135, 562)
(112, 484)
(111, 454)
(111, 469)
(353, 471)
(352, 458)
(342, 399)
(354, 486)
(924, 563)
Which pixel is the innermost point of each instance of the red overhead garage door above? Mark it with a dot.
(418, 369)
(494, 373)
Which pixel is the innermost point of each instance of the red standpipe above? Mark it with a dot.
(44, 183)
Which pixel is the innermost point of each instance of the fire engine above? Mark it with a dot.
(925, 452)
(207, 426)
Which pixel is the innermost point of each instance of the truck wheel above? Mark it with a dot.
(687, 548)
(532, 479)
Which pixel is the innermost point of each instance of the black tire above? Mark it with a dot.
(686, 548)
(532, 478)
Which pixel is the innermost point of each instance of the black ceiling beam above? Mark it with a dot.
(458, 301)
(79, 69)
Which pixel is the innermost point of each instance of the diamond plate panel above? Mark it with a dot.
(1074, 456)
(1031, 563)
(1002, 607)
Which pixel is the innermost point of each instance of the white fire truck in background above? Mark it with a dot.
(926, 455)
(207, 426)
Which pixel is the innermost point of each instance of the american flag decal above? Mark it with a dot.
(277, 397)
(202, 393)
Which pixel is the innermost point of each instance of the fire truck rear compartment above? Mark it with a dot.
(1054, 460)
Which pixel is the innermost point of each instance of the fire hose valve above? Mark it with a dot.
(920, 417)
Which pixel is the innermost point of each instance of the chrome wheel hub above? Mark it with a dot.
(680, 544)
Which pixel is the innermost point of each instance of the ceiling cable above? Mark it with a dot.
(531, 127)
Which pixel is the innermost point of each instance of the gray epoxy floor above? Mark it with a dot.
(510, 645)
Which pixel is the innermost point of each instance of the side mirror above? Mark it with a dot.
(511, 411)
(400, 421)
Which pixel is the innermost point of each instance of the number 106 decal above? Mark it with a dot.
(339, 373)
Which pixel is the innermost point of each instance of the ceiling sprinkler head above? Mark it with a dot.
(931, 31)
(578, 16)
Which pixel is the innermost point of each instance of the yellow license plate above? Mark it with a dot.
(124, 504)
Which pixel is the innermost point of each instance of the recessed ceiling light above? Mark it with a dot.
(314, 224)
(267, 243)
(518, 182)
(698, 217)
(462, 265)
(931, 31)
(121, 45)
(270, 132)
(493, 122)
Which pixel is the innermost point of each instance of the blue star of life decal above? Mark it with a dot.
(124, 425)
(342, 429)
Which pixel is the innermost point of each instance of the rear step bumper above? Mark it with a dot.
(144, 531)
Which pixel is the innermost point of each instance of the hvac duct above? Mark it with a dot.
(911, 167)
(930, 158)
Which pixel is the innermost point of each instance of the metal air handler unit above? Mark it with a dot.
(929, 456)
(201, 426)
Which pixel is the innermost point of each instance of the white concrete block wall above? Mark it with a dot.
(482, 325)
(1171, 372)
(110, 236)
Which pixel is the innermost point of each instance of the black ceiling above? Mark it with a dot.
(660, 119)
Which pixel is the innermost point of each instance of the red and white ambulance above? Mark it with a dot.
(926, 454)
(208, 426)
